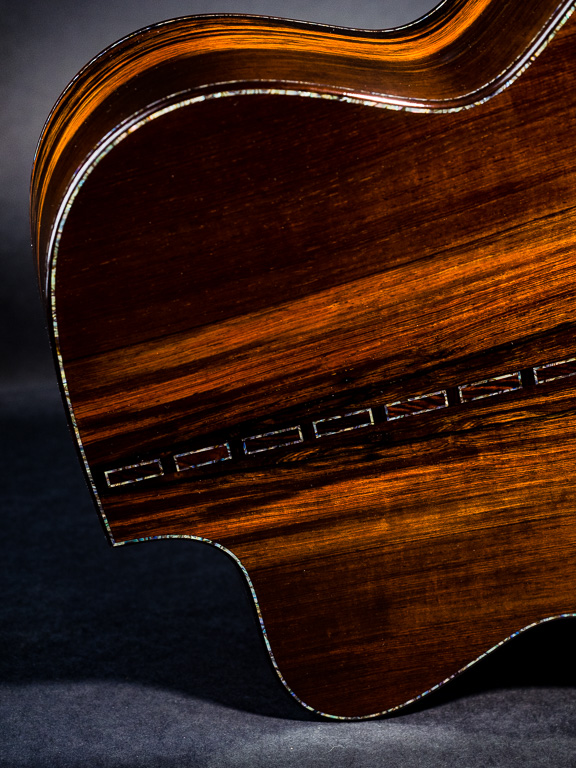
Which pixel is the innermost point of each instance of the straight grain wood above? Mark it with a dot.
(314, 331)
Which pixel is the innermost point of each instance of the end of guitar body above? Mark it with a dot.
(333, 339)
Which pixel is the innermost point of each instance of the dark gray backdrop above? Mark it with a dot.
(148, 655)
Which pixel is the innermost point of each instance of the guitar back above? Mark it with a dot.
(332, 338)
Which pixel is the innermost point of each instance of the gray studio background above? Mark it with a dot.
(148, 655)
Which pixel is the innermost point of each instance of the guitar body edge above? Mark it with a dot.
(337, 343)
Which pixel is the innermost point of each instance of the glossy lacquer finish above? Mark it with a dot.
(311, 293)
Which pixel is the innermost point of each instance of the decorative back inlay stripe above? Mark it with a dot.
(415, 405)
(134, 473)
(334, 425)
(552, 371)
(269, 441)
(497, 385)
(347, 422)
(202, 457)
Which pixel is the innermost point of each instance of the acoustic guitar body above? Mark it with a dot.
(311, 296)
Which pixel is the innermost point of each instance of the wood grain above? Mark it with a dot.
(345, 310)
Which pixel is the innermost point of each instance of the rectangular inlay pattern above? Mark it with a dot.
(270, 440)
(133, 473)
(561, 370)
(202, 457)
(415, 405)
(336, 424)
(489, 387)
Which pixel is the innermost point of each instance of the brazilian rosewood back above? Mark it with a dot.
(311, 298)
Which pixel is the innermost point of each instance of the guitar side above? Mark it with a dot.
(336, 341)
